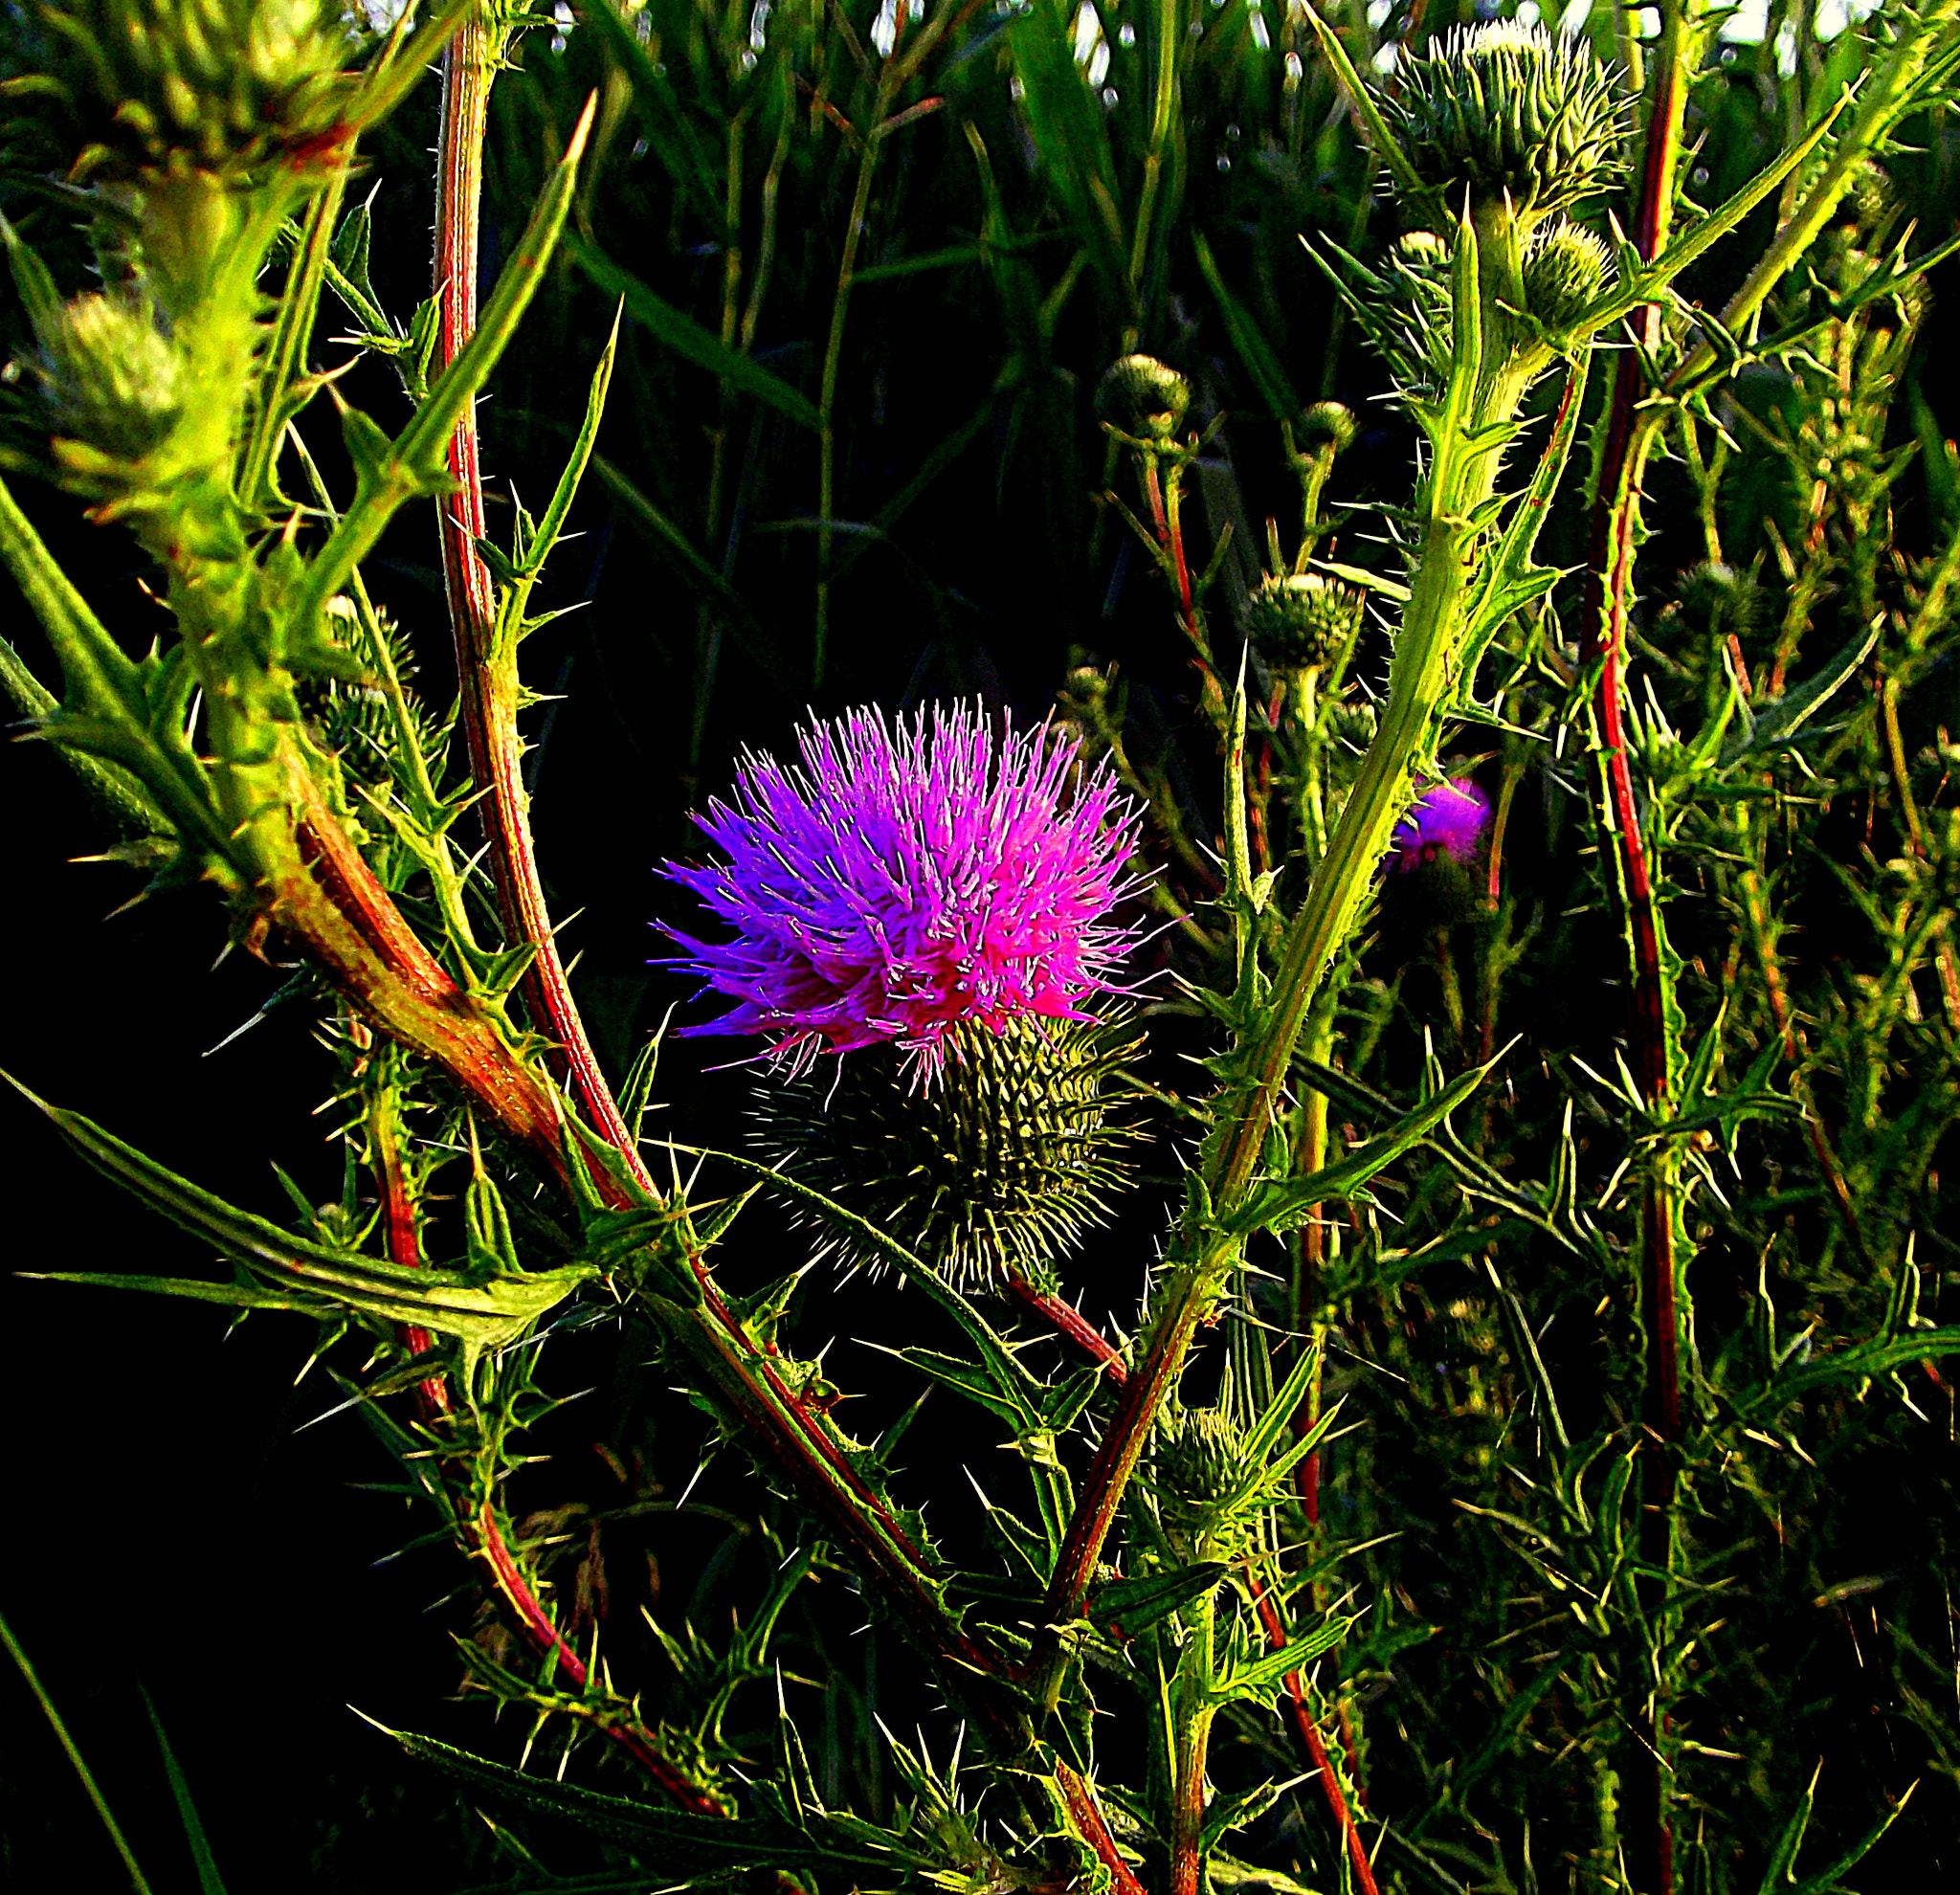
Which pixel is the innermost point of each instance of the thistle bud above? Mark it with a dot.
(1141, 396)
(1717, 599)
(1565, 270)
(1505, 108)
(1198, 1470)
(1001, 1164)
(221, 85)
(1300, 619)
(112, 380)
(1328, 424)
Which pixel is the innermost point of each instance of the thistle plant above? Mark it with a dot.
(1396, 1413)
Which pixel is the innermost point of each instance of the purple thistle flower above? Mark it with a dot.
(908, 877)
(1447, 821)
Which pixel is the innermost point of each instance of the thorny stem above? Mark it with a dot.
(480, 1533)
(1312, 1742)
(1087, 1816)
(487, 688)
(1166, 499)
(1629, 435)
(1191, 1745)
(1069, 1323)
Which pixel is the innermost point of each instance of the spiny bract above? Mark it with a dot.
(1000, 1166)
(1507, 108)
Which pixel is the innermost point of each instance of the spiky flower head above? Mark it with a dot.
(1446, 824)
(1000, 1166)
(1416, 317)
(1143, 398)
(1299, 619)
(1507, 108)
(222, 85)
(906, 878)
(1565, 269)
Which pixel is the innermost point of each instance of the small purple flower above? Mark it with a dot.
(1447, 821)
(908, 877)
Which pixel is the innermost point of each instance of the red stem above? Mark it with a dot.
(1608, 586)
(433, 1399)
(1310, 1738)
(1069, 1321)
(1087, 1816)
(486, 667)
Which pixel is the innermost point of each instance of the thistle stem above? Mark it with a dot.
(487, 686)
(1311, 1740)
(1629, 436)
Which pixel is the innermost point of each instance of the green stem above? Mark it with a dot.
(1192, 1715)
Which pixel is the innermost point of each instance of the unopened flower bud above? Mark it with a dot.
(1328, 424)
(1198, 1469)
(1141, 397)
(1717, 599)
(1300, 619)
(1000, 1164)
(1565, 270)
(1505, 108)
(113, 379)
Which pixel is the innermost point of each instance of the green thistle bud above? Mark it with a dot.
(1141, 397)
(1300, 619)
(1717, 599)
(1329, 424)
(1198, 1470)
(1001, 1164)
(112, 380)
(222, 85)
(1507, 108)
(1565, 270)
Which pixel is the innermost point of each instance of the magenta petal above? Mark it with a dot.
(905, 876)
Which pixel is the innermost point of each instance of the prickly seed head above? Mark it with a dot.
(1565, 270)
(112, 379)
(1328, 424)
(1000, 1165)
(1142, 396)
(1507, 108)
(1300, 619)
(225, 85)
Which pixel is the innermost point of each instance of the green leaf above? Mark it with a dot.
(1283, 1205)
(678, 331)
(1259, 1677)
(75, 1757)
(678, 1842)
(1131, 1606)
(208, 1880)
(1777, 723)
(296, 1273)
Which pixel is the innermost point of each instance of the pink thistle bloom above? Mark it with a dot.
(906, 878)
(1447, 821)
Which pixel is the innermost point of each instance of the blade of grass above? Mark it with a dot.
(137, 1880)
